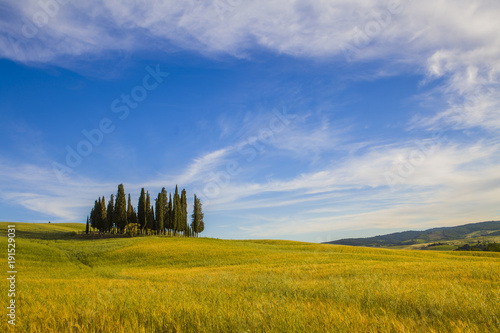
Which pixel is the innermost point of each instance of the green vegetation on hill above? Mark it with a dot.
(170, 217)
(45, 230)
(407, 238)
(480, 247)
(168, 284)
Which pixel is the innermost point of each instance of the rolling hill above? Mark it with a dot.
(66, 283)
(446, 237)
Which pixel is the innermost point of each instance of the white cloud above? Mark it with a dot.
(457, 41)
(471, 88)
(300, 28)
(38, 189)
(453, 184)
(200, 166)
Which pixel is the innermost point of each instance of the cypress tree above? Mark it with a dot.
(98, 214)
(109, 213)
(131, 214)
(197, 225)
(201, 222)
(201, 226)
(184, 214)
(177, 212)
(104, 219)
(142, 210)
(165, 208)
(152, 221)
(160, 214)
(171, 212)
(149, 220)
(194, 216)
(87, 228)
(120, 213)
(93, 216)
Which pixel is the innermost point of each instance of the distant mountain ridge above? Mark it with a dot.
(489, 228)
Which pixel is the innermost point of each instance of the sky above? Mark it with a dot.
(301, 120)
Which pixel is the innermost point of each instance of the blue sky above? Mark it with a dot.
(304, 120)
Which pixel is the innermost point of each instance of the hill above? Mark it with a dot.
(46, 230)
(453, 236)
(67, 283)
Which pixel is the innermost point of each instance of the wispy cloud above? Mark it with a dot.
(196, 170)
(451, 186)
(471, 89)
(454, 40)
(38, 189)
(299, 29)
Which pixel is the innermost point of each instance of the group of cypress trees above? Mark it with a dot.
(168, 217)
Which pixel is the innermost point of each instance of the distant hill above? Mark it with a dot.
(407, 238)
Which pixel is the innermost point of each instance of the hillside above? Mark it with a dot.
(162, 284)
(451, 236)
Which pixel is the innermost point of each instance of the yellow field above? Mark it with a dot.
(161, 284)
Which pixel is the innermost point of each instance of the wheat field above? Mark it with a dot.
(66, 283)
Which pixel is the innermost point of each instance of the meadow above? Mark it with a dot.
(67, 283)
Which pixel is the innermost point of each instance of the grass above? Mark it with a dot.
(158, 284)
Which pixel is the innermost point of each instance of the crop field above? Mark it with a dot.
(68, 283)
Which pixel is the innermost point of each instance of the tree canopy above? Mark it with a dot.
(167, 216)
